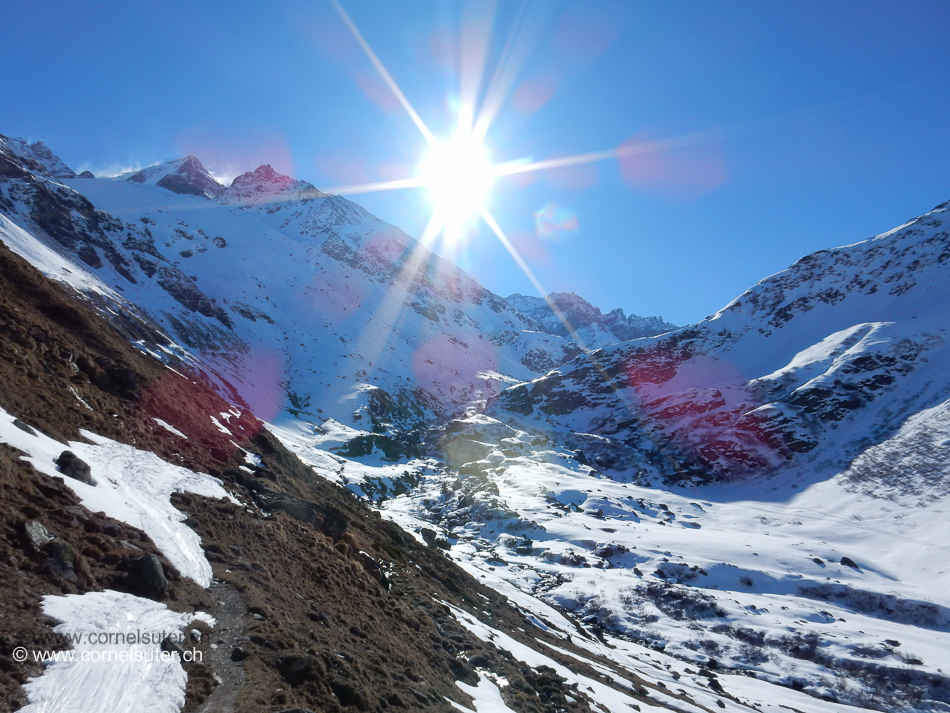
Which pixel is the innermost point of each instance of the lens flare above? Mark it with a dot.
(458, 175)
(555, 223)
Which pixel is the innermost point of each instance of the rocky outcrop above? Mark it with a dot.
(185, 176)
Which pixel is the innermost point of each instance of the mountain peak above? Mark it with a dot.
(38, 157)
(264, 183)
(186, 176)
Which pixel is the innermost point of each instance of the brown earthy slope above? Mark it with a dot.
(322, 604)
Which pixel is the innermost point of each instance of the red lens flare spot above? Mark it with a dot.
(260, 384)
(533, 93)
(706, 411)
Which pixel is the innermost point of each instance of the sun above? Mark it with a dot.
(458, 176)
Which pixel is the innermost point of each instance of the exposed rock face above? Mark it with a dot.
(264, 184)
(844, 341)
(586, 321)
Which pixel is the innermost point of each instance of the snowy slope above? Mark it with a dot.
(98, 677)
(821, 588)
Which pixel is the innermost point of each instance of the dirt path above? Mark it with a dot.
(229, 611)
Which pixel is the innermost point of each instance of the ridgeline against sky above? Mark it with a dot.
(779, 130)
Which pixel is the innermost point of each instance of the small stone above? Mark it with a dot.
(62, 559)
(24, 427)
(37, 534)
(295, 667)
(169, 645)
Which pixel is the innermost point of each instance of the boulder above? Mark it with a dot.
(70, 464)
(148, 577)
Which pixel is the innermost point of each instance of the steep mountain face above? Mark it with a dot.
(584, 321)
(316, 603)
(810, 366)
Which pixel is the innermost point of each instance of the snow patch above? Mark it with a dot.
(132, 486)
(93, 678)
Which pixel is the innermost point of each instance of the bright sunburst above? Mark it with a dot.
(457, 172)
(458, 176)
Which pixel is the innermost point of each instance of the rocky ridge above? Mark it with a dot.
(584, 321)
(846, 341)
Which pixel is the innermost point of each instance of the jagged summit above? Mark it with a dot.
(186, 176)
(38, 157)
(588, 322)
(264, 183)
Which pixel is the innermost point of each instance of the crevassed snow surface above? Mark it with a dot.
(92, 677)
(132, 486)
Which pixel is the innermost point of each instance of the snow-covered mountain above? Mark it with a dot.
(810, 366)
(38, 158)
(296, 300)
(186, 176)
(567, 314)
(747, 513)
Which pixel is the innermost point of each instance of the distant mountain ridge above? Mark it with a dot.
(594, 328)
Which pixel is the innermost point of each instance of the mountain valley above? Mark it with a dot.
(394, 489)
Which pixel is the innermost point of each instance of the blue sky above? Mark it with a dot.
(794, 126)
